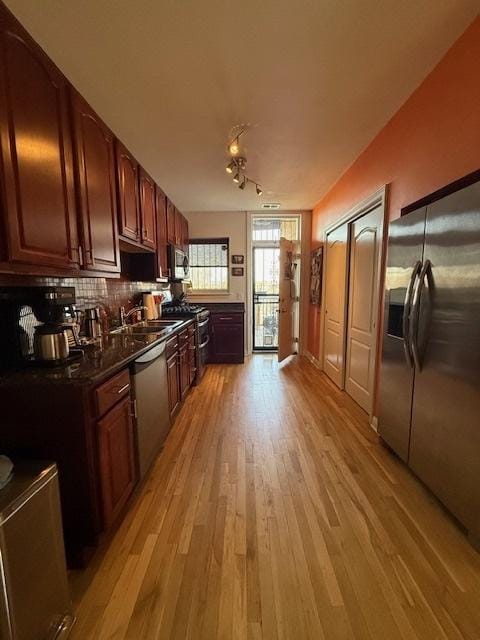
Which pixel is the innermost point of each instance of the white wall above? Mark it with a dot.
(223, 224)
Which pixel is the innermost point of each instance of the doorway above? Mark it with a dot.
(266, 281)
(353, 256)
(266, 278)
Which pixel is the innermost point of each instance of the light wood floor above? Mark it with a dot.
(273, 512)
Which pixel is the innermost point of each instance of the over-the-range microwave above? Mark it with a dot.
(178, 262)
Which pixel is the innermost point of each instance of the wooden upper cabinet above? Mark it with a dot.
(185, 238)
(162, 269)
(128, 200)
(178, 228)
(148, 211)
(170, 222)
(36, 154)
(95, 179)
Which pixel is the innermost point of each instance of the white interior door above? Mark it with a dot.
(287, 305)
(335, 309)
(365, 250)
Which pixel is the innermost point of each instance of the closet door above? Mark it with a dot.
(335, 298)
(365, 250)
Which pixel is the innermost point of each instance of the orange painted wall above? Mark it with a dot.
(431, 141)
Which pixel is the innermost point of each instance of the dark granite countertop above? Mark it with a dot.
(224, 307)
(97, 363)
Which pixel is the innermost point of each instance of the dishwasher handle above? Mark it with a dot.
(148, 358)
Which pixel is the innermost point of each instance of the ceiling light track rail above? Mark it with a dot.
(237, 164)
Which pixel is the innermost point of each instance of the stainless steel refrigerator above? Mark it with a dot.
(430, 375)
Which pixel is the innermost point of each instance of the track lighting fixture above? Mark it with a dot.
(237, 164)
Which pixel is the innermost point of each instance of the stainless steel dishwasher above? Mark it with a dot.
(151, 404)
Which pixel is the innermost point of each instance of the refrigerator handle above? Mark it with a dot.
(406, 313)
(416, 315)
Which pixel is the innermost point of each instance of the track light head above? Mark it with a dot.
(236, 177)
(230, 167)
(234, 147)
(243, 184)
(258, 190)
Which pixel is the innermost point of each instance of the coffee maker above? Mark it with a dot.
(34, 325)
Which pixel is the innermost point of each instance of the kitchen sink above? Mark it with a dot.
(148, 327)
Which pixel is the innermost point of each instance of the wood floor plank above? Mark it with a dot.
(274, 513)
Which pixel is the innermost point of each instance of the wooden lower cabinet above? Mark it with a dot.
(116, 460)
(192, 357)
(181, 366)
(184, 360)
(227, 338)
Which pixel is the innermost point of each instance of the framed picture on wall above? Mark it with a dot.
(237, 271)
(237, 259)
(316, 276)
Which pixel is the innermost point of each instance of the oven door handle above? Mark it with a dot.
(202, 324)
(204, 344)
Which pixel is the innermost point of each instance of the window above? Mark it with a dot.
(209, 264)
(272, 229)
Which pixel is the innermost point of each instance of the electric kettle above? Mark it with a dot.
(50, 343)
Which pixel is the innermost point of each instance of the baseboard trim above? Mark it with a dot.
(313, 360)
(374, 423)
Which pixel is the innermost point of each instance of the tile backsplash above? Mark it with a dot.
(107, 293)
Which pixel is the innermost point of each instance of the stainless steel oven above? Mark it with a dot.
(203, 338)
(179, 267)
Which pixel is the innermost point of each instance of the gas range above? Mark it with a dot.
(185, 310)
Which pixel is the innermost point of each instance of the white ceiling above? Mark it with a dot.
(315, 79)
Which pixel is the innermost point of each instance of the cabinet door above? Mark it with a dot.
(184, 370)
(185, 238)
(147, 210)
(227, 339)
(95, 175)
(129, 214)
(117, 468)
(173, 383)
(36, 154)
(178, 228)
(170, 222)
(162, 269)
(192, 358)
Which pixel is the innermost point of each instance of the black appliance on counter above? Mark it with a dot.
(34, 322)
(181, 309)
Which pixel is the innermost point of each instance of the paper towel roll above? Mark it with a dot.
(151, 312)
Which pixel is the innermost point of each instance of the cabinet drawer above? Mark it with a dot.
(183, 336)
(171, 346)
(110, 392)
(221, 318)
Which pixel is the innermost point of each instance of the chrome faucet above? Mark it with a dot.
(124, 315)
